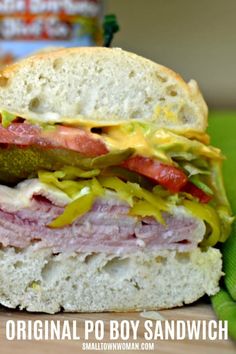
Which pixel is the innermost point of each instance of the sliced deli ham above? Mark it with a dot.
(107, 227)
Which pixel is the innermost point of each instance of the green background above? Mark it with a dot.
(222, 131)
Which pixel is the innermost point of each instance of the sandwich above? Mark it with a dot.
(111, 198)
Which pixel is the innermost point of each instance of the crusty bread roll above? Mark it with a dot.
(41, 281)
(101, 85)
(96, 87)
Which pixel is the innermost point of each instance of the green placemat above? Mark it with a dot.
(222, 129)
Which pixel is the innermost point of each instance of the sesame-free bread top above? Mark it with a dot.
(102, 85)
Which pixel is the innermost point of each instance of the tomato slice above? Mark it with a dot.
(197, 193)
(58, 137)
(167, 176)
(76, 139)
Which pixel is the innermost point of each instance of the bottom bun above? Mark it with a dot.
(37, 280)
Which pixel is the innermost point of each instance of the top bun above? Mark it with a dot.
(103, 86)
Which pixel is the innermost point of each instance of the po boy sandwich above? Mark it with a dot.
(111, 198)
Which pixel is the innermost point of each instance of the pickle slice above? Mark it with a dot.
(19, 163)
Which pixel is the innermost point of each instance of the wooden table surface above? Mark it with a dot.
(199, 311)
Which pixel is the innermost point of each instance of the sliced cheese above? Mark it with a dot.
(13, 199)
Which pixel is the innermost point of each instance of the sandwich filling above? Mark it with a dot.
(116, 188)
(106, 227)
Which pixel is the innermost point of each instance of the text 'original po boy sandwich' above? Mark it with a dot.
(111, 198)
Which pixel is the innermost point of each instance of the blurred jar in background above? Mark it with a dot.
(28, 26)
